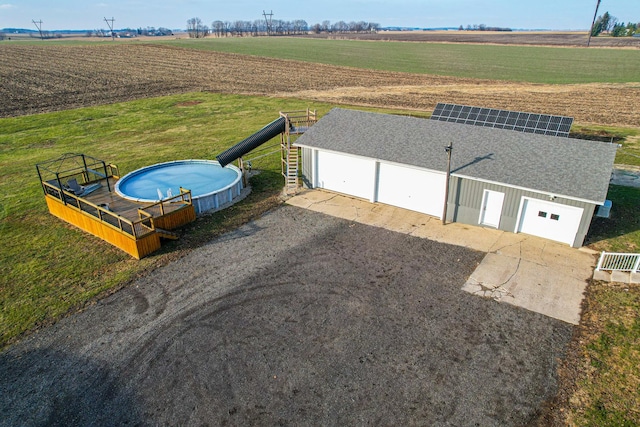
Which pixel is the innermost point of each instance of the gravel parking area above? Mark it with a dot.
(298, 318)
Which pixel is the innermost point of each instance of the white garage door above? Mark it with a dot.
(410, 188)
(550, 220)
(345, 174)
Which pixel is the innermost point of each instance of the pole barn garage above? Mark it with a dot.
(517, 181)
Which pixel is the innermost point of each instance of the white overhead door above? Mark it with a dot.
(411, 188)
(350, 175)
(552, 221)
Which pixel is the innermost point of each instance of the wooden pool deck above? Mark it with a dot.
(134, 227)
(119, 205)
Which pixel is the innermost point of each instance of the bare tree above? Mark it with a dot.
(611, 24)
(257, 26)
(300, 26)
(196, 29)
(238, 28)
(340, 27)
(217, 28)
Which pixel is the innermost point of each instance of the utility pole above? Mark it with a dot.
(38, 25)
(268, 21)
(593, 23)
(110, 25)
(448, 149)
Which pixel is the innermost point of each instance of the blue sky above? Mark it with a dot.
(90, 14)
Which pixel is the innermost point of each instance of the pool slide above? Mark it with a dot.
(271, 130)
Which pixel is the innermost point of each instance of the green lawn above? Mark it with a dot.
(48, 267)
(607, 392)
(515, 63)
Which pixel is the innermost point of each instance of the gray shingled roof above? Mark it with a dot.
(560, 166)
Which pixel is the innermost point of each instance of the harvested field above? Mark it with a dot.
(542, 38)
(41, 78)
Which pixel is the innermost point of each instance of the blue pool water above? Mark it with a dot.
(203, 177)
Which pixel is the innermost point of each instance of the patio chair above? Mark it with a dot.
(80, 190)
(74, 187)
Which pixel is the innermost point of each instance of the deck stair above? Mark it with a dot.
(291, 169)
(166, 234)
(297, 123)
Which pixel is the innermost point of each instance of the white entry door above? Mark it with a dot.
(550, 220)
(491, 210)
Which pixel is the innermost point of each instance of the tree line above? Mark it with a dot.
(130, 32)
(197, 29)
(609, 24)
(482, 27)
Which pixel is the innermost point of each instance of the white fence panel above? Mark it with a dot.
(619, 262)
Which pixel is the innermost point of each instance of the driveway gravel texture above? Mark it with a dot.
(297, 318)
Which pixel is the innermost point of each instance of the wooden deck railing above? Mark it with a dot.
(136, 229)
(619, 262)
(143, 226)
(303, 119)
(162, 206)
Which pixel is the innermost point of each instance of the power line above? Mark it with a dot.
(593, 23)
(38, 25)
(110, 25)
(268, 21)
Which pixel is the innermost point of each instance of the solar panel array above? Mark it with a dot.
(543, 124)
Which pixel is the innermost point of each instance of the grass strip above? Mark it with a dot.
(606, 388)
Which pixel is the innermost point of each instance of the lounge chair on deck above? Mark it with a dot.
(81, 190)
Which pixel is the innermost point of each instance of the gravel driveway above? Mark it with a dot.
(298, 318)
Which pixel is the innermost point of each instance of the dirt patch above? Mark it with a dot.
(288, 321)
(188, 103)
(50, 78)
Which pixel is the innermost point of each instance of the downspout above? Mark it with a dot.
(448, 149)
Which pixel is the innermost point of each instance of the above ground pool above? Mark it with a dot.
(211, 185)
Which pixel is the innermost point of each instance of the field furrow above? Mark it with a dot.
(48, 78)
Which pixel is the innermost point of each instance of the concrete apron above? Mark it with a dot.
(526, 271)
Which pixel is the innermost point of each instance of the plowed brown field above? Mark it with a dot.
(42, 78)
